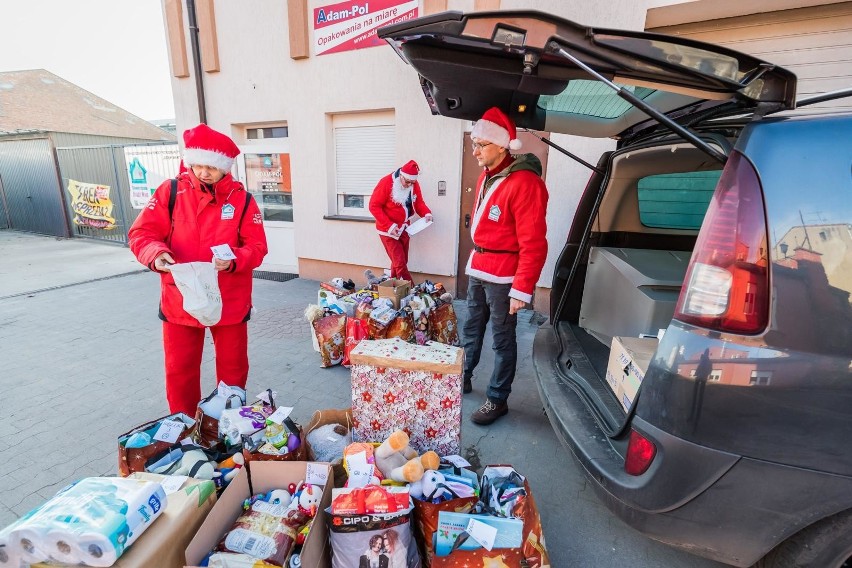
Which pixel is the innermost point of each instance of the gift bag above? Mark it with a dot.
(260, 450)
(206, 433)
(401, 326)
(138, 445)
(356, 330)
(382, 540)
(199, 285)
(426, 519)
(331, 333)
(505, 493)
(329, 446)
(443, 325)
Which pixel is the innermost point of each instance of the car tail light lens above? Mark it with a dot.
(727, 282)
(640, 453)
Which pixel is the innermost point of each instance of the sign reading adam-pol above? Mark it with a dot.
(352, 25)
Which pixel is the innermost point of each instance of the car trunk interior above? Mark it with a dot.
(618, 276)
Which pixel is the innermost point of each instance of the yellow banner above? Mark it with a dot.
(91, 205)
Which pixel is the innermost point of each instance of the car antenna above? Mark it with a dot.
(574, 157)
(684, 133)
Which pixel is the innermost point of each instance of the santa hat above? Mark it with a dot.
(203, 146)
(496, 127)
(410, 170)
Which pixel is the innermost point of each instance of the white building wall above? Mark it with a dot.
(260, 84)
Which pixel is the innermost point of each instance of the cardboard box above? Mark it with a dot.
(164, 542)
(628, 361)
(261, 477)
(394, 289)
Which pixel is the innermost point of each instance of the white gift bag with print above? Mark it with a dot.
(199, 285)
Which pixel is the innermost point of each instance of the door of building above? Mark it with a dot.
(470, 174)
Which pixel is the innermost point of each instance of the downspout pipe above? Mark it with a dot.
(196, 60)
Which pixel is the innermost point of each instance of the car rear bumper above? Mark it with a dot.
(692, 497)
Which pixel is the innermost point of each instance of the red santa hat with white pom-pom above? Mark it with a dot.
(410, 170)
(497, 128)
(204, 146)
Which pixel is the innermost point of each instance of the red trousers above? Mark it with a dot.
(397, 250)
(183, 346)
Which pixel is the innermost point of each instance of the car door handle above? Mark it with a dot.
(467, 221)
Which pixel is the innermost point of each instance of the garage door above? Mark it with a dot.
(815, 43)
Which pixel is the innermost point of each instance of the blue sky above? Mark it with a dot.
(115, 49)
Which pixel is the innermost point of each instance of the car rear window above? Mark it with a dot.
(676, 201)
(591, 98)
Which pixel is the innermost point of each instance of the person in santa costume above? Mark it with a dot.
(395, 200)
(209, 208)
(510, 246)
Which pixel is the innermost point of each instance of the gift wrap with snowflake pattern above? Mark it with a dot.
(404, 386)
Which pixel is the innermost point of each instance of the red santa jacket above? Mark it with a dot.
(197, 223)
(391, 214)
(510, 218)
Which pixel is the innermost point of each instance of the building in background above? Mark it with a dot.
(40, 113)
(322, 110)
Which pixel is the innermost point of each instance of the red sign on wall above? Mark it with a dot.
(352, 25)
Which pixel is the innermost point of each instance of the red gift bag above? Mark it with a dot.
(356, 330)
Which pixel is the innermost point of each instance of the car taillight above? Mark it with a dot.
(726, 287)
(640, 454)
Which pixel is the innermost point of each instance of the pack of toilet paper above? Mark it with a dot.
(90, 522)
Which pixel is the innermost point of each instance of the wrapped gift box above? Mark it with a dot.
(403, 386)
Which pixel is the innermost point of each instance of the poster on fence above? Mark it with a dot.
(344, 26)
(91, 205)
(147, 168)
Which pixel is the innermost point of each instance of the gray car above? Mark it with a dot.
(698, 358)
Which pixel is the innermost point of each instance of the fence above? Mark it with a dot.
(107, 186)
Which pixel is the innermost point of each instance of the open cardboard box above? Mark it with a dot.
(394, 289)
(261, 477)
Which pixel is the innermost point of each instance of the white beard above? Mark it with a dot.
(400, 194)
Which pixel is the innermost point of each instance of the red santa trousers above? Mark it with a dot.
(397, 250)
(183, 346)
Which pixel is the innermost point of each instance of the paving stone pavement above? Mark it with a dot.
(81, 362)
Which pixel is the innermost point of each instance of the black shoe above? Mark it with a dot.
(489, 412)
(467, 387)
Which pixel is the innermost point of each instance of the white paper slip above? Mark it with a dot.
(417, 226)
(316, 473)
(172, 483)
(223, 252)
(360, 471)
(280, 414)
(169, 431)
(456, 460)
(482, 533)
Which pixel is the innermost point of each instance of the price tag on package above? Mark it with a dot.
(316, 473)
(169, 431)
(482, 533)
(281, 413)
(223, 252)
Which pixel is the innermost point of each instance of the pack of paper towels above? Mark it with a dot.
(90, 522)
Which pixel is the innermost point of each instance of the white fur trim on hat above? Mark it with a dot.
(493, 132)
(409, 177)
(201, 157)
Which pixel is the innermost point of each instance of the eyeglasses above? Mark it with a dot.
(479, 145)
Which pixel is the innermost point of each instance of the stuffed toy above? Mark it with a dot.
(230, 467)
(400, 462)
(279, 497)
(306, 499)
(437, 487)
(195, 463)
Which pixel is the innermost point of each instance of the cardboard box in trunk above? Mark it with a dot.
(628, 361)
(394, 289)
(261, 477)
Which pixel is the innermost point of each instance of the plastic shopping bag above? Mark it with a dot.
(199, 285)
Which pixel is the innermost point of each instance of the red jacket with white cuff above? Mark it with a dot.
(511, 218)
(391, 215)
(197, 223)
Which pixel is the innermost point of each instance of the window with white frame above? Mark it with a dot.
(363, 154)
(715, 375)
(760, 378)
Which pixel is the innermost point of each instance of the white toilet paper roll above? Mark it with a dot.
(30, 542)
(63, 546)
